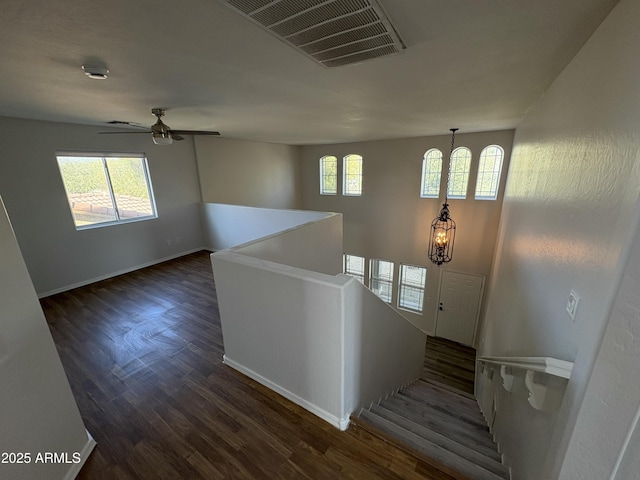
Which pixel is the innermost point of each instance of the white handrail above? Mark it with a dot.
(542, 396)
(550, 365)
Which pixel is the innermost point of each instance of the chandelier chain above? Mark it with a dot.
(453, 139)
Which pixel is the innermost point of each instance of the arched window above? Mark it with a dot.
(460, 165)
(328, 175)
(489, 169)
(352, 175)
(431, 173)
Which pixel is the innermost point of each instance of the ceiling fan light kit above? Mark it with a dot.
(159, 139)
(96, 72)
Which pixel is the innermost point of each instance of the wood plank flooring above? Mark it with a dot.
(450, 363)
(143, 354)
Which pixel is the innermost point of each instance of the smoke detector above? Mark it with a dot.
(96, 72)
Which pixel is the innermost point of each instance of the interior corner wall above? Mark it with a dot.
(570, 201)
(253, 174)
(390, 221)
(57, 255)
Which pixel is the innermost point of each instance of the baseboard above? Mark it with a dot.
(73, 472)
(339, 423)
(119, 272)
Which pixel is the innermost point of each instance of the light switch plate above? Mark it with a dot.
(572, 305)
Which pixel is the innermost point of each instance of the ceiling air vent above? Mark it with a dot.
(333, 32)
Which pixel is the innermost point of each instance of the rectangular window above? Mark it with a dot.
(328, 175)
(381, 278)
(354, 266)
(411, 287)
(105, 189)
(352, 175)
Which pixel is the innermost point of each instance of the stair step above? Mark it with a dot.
(449, 388)
(447, 413)
(453, 413)
(491, 463)
(438, 452)
(434, 396)
(473, 418)
(477, 438)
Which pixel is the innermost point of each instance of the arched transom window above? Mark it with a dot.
(431, 173)
(489, 169)
(460, 166)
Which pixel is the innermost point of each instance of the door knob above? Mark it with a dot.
(440, 306)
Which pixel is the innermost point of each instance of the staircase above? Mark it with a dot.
(440, 424)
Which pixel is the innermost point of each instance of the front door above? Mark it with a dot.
(458, 306)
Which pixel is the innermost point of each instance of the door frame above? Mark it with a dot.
(477, 319)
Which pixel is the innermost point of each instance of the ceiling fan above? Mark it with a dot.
(160, 132)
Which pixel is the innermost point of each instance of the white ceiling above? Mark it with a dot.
(475, 65)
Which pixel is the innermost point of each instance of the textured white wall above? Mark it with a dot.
(248, 173)
(607, 434)
(38, 413)
(57, 255)
(391, 221)
(569, 207)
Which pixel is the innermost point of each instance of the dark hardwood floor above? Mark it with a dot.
(143, 354)
(450, 363)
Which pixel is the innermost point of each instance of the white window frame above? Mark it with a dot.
(495, 173)
(462, 173)
(404, 285)
(324, 175)
(360, 275)
(431, 155)
(347, 178)
(103, 157)
(376, 280)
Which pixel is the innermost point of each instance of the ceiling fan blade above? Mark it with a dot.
(193, 132)
(112, 133)
(131, 124)
(176, 137)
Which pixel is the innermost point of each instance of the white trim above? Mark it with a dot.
(120, 272)
(339, 423)
(74, 470)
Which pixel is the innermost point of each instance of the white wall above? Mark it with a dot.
(320, 339)
(383, 351)
(38, 413)
(606, 440)
(295, 246)
(283, 327)
(570, 204)
(248, 173)
(57, 255)
(390, 221)
(227, 226)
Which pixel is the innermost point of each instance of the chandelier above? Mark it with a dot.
(443, 228)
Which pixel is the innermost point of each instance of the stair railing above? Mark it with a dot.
(545, 377)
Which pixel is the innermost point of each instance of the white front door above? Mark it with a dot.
(458, 306)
